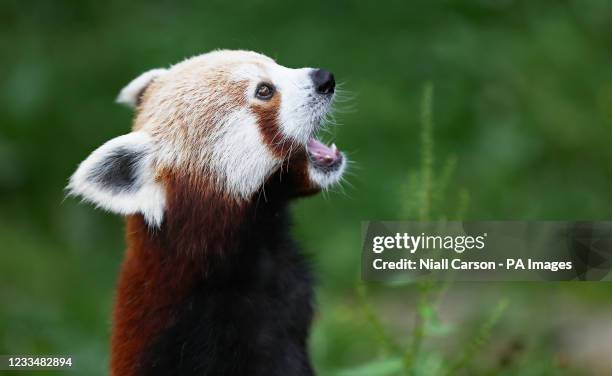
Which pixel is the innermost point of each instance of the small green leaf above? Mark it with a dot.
(426, 311)
(438, 328)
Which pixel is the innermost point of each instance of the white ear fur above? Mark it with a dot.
(119, 177)
(130, 95)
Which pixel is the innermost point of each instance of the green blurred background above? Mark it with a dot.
(523, 101)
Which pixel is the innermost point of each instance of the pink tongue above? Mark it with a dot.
(317, 148)
(322, 153)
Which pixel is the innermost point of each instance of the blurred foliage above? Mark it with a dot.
(407, 358)
(523, 102)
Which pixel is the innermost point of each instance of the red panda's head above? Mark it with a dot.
(227, 120)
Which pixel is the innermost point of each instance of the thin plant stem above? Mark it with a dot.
(427, 152)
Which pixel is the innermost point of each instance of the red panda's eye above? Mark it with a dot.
(264, 91)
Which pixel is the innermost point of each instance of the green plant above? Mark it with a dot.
(426, 199)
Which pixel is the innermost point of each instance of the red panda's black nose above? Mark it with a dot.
(323, 81)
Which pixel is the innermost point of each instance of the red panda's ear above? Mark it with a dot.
(132, 93)
(119, 176)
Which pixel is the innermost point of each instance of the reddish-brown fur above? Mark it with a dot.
(161, 265)
(296, 169)
(149, 281)
(267, 120)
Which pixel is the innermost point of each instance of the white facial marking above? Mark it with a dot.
(240, 157)
(299, 112)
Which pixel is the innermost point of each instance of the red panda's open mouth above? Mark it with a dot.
(323, 157)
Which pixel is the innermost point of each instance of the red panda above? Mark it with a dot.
(212, 283)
